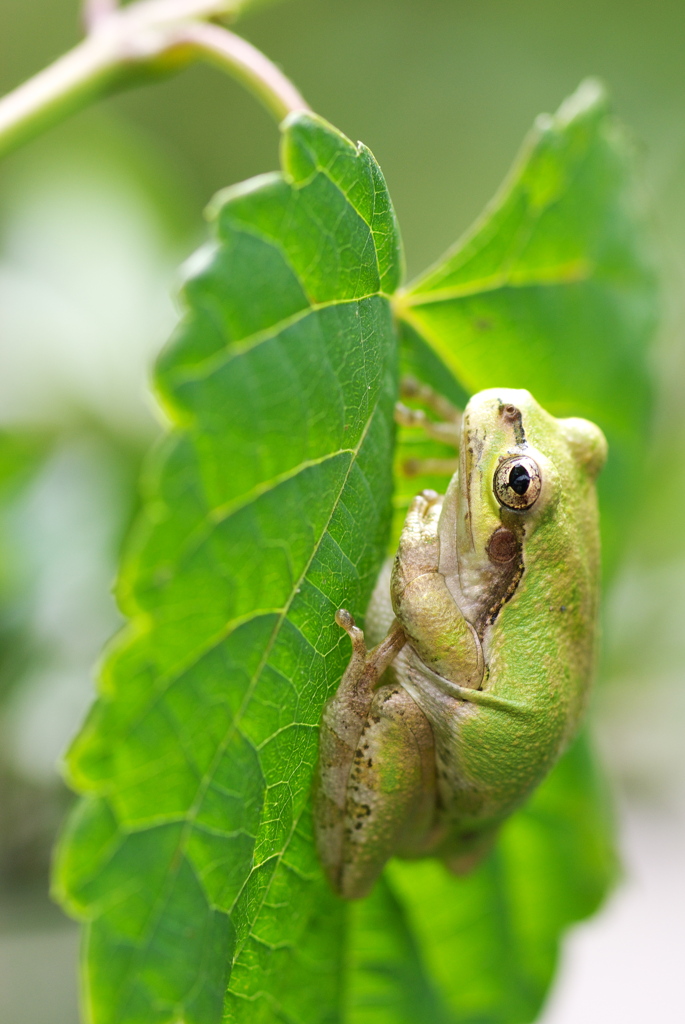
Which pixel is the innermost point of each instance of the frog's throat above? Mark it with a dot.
(485, 699)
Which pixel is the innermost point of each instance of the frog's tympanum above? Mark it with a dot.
(489, 623)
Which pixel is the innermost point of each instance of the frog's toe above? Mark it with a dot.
(423, 503)
(356, 635)
(345, 620)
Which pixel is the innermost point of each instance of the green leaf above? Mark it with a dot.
(552, 291)
(190, 856)
(266, 509)
(387, 982)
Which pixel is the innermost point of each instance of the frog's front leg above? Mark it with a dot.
(375, 786)
(438, 633)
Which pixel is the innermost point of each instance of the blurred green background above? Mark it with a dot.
(95, 218)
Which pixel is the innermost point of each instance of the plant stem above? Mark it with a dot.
(95, 12)
(245, 63)
(154, 34)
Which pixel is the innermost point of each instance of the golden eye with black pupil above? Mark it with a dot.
(517, 483)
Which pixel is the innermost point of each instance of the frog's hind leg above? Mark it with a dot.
(391, 793)
(376, 767)
(342, 722)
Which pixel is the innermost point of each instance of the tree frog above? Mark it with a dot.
(489, 622)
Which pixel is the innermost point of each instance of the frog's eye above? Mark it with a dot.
(517, 483)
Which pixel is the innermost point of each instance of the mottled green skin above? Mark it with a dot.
(500, 645)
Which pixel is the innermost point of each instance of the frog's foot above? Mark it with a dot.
(471, 850)
(366, 666)
(345, 713)
(426, 503)
(441, 406)
(430, 467)
(418, 550)
(446, 429)
(448, 433)
(418, 547)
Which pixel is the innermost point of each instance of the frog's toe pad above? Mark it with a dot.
(345, 620)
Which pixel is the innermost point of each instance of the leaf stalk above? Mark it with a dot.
(153, 35)
(95, 12)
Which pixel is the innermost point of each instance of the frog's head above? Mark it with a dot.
(522, 500)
